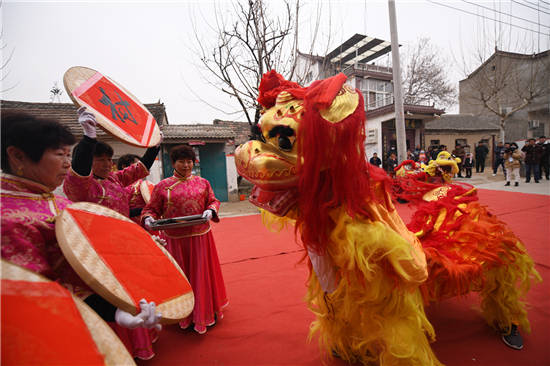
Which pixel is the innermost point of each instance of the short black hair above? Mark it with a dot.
(31, 134)
(103, 148)
(542, 137)
(182, 152)
(532, 138)
(126, 160)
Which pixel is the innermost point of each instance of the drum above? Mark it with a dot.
(117, 111)
(120, 261)
(43, 324)
(146, 189)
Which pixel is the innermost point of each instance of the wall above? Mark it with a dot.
(232, 185)
(448, 138)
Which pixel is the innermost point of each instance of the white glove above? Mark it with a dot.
(147, 318)
(159, 240)
(161, 138)
(148, 222)
(207, 215)
(88, 122)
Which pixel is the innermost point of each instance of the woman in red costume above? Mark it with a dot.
(91, 179)
(193, 247)
(36, 155)
(468, 248)
(137, 203)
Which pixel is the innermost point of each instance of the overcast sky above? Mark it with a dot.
(147, 46)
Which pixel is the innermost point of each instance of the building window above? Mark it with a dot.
(377, 93)
(434, 143)
(462, 142)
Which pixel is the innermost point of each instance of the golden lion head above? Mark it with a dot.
(445, 166)
(272, 164)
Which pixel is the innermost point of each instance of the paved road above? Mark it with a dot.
(486, 180)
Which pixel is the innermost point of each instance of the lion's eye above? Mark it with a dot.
(284, 143)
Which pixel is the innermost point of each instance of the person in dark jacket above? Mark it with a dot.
(533, 154)
(499, 158)
(392, 164)
(544, 164)
(468, 164)
(481, 152)
(459, 152)
(375, 160)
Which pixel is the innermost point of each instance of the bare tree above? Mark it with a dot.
(425, 76)
(6, 58)
(506, 83)
(252, 42)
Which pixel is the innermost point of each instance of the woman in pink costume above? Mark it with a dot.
(136, 201)
(36, 155)
(91, 179)
(193, 247)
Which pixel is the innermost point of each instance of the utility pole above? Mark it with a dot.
(397, 87)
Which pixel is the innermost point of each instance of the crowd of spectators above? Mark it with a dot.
(535, 156)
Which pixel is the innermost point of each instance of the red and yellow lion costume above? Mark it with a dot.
(366, 267)
(467, 248)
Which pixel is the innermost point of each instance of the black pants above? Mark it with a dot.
(532, 168)
(544, 165)
(498, 163)
(468, 172)
(480, 165)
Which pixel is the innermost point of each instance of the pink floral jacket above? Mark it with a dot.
(109, 192)
(177, 196)
(28, 231)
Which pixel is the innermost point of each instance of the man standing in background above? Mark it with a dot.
(481, 152)
(499, 158)
(545, 157)
(533, 153)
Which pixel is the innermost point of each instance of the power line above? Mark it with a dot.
(544, 2)
(484, 17)
(538, 5)
(498, 11)
(530, 7)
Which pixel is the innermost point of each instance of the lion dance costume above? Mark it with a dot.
(467, 248)
(365, 266)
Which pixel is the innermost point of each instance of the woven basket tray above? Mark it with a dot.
(77, 246)
(104, 337)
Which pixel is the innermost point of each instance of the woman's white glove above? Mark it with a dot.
(88, 122)
(159, 240)
(147, 318)
(207, 215)
(148, 222)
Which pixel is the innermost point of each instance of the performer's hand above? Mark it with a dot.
(207, 214)
(161, 138)
(88, 122)
(149, 315)
(147, 318)
(148, 222)
(128, 320)
(159, 240)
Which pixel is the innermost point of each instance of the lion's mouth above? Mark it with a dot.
(445, 169)
(276, 202)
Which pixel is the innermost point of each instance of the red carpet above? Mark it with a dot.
(267, 321)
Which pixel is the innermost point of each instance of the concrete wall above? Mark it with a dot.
(449, 139)
(232, 185)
